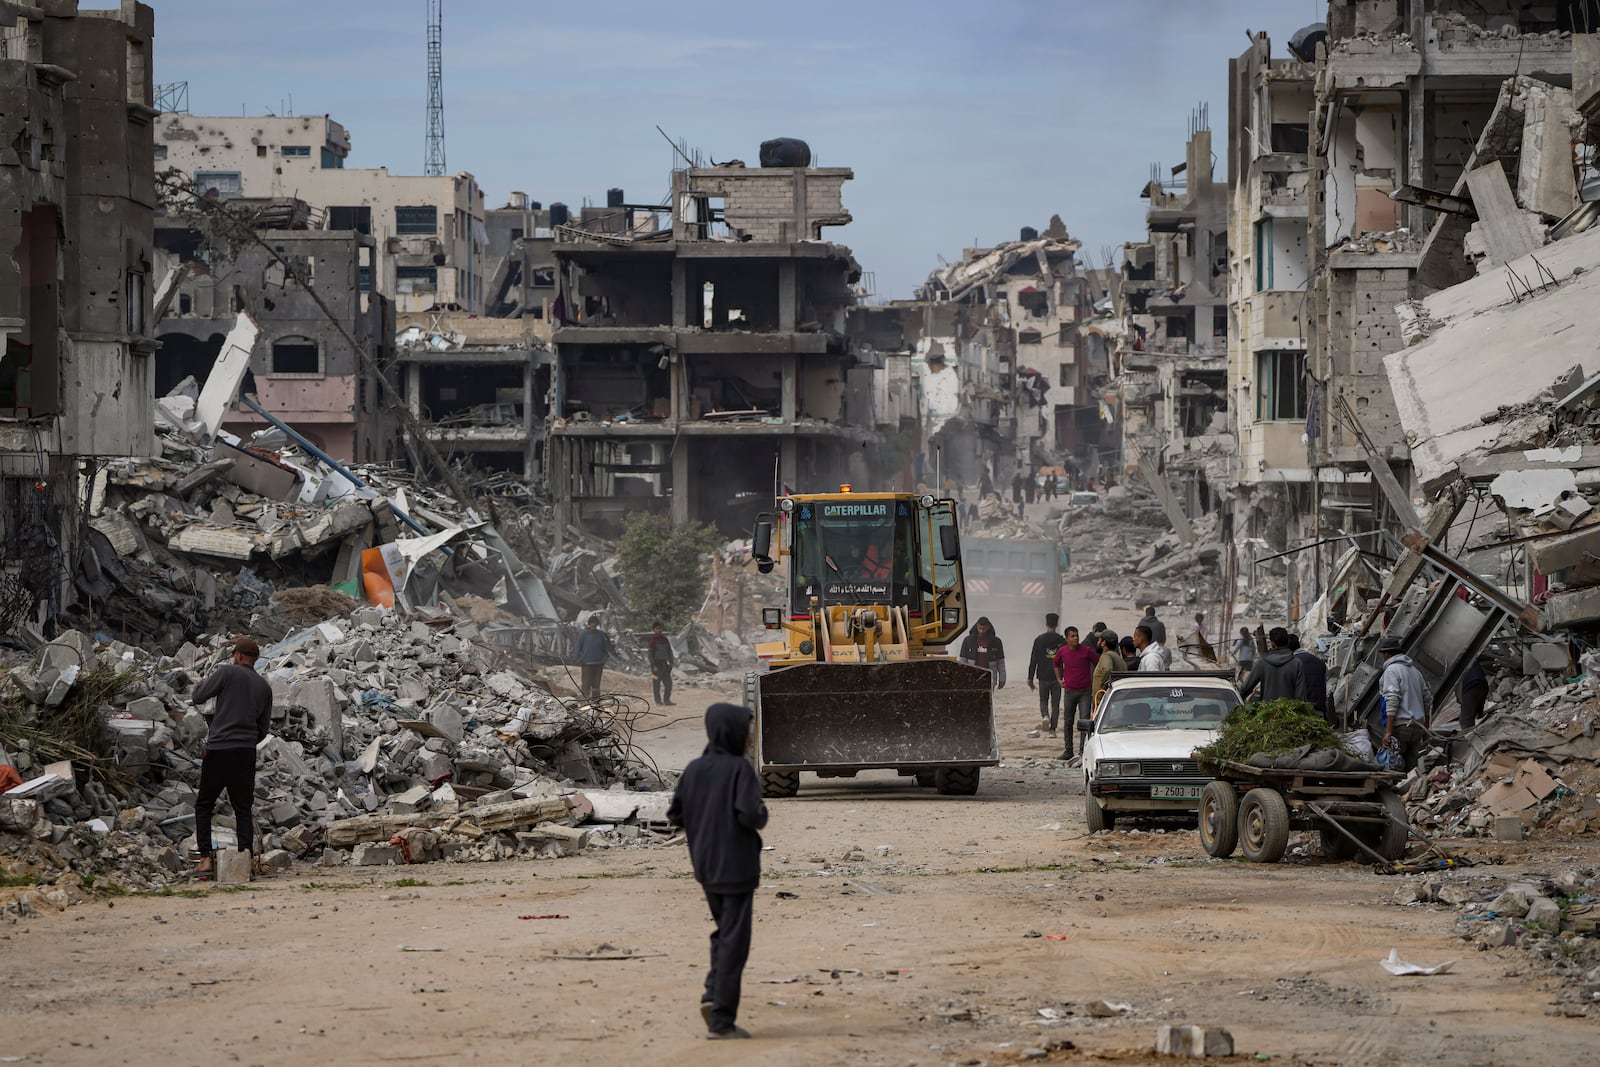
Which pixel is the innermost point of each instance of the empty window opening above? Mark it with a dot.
(225, 184)
(416, 280)
(296, 355)
(422, 219)
(1280, 387)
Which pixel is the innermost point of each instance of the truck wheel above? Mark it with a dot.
(1219, 819)
(1390, 842)
(780, 783)
(1336, 846)
(1263, 825)
(956, 781)
(1095, 817)
(927, 779)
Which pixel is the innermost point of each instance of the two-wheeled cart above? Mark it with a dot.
(1253, 809)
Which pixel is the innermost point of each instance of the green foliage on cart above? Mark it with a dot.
(1270, 726)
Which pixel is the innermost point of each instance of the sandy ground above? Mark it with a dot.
(894, 927)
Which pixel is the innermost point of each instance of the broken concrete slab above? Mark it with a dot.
(1501, 222)
(374, 854)
(222, 384)
(1193, 1041)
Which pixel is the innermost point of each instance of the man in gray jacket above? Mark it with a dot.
(1278, 673)
(1407, 702)
(239, 723)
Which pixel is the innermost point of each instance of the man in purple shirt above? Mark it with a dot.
(1075, 672)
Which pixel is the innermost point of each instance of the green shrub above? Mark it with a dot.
(663, 569)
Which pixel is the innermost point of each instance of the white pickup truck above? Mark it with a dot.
(1137, 753)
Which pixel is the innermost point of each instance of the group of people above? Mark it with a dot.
(594, 648)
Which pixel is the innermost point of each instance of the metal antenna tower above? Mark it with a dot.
(433, 156)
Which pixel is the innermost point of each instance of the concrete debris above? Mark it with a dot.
(340, 768)
(1193, 1041)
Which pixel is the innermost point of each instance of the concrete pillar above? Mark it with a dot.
(682, 489)
(557, 459)
(675, 385)
(802, 213)
(788, 465)
(788, 295)
(680, 295)
(1416, 148)
(414, 389)
(787, 402)
(528, 422)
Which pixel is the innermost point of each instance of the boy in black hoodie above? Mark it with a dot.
(718, 804)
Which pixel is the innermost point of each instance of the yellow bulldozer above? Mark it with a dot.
(859, 674)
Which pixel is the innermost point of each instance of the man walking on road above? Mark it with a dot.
(718, 804)
(1041, 667)
(1075, 664)
(1244, 652)
(1278, 673)
(594, 648)
(658, 650)
(239, 723)
(1407, 702)
(983, 648)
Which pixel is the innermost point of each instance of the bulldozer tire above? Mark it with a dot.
(927, 779)
(1096, 818)
(1263, 825)
(956, 781)
(1219, 819)
(780, 783)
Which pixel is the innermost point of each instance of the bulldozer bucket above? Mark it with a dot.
(839, 716)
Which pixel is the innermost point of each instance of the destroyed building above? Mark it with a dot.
(701, 357)
(76, 201)
(1172, 356)
(304, 369)
(428, 231)
(1408, 109)
(1011, 322)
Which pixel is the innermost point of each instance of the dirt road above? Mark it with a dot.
(894, 927)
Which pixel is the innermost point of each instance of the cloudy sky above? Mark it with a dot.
(962, 121)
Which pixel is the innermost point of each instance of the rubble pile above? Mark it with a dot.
(418, 722)
(1533, 764)
(1551, 923)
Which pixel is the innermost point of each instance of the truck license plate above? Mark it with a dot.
(1176, 792)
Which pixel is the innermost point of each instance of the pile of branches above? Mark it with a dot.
(75, 730)
(1271, 727)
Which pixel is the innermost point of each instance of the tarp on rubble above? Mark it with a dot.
(1501, 341)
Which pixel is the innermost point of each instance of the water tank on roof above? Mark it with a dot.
(614, 198)
(558, 214)
(1305, 40)
(1029, 234)
(785, 152)
(519, 201)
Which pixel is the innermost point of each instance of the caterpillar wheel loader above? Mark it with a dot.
(859, 673)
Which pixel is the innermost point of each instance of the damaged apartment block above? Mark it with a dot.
(77, 192)
(302, 369)
(702, 359)
(1172, 360)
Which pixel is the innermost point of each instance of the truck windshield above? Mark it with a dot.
(853, 552)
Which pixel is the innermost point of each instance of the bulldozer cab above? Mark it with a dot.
(899, 555)
(857, 673)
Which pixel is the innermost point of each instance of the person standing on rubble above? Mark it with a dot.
(1041, 668)
(718, 804)
(1474, 694)
(658, 650)
(239, 722)
(1407, 703)
(594, 648)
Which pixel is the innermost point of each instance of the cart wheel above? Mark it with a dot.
(1219, 819)
(1336, 846)
(1263, 825)
(1391, 840)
